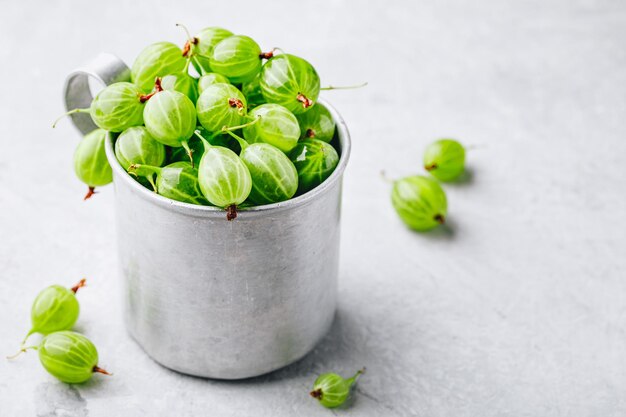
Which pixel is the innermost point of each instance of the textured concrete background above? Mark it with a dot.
(516, 309)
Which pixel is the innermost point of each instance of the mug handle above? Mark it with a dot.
(106, 69)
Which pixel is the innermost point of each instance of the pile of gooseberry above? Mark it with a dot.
(67, 355)
(420, 201)
(217, 122)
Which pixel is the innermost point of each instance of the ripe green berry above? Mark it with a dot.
(332, 390)
(183, 83)
(90, 161)
(238, 58)
(224, 179)
(137, 146)
(209, 79)
(290, 81)
(55, 308)
(220, 105)
(201, 46)
(277, 126)
(157, 60)
(317, 123)
(445, 159)
(170, 117)
(178, 181)
(315, 161)
(420, 202)
(274, 177)
(69, 356)
(116, 108)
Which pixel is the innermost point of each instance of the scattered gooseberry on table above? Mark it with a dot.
(332, 390)
(445, 159)
(90, 161)
(420, 202)
(68, 356)
(55, 308)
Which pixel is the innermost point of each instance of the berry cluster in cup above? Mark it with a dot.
(217, 122)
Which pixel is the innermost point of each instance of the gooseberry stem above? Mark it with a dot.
(430, 167)
(90, 191)
(69, 113)
(343, 87)
(188, 150)
(187, 52)
(316, 393)
(101, 371)
(439, 218)
(157, 89)
(205, 142)
(80, 284)
(356, 376)
(267, 55)
(306, 102)
(23, 349)
(231, 212)
(144, 170)
(242, 141)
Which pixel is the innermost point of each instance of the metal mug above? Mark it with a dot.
(216, 298)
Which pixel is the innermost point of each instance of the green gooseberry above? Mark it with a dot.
(170, 117)
(238, 58)
(224, 178)
(55, 308)
(317, 123)
(177, 181)
(68, 356)
(332, 390)
(200, 47)
(420, 202)
(209, 79)
(277, 126)
(157, 60)
(183, 83)
(290, 81)
(274, 177)
(90, 161)
(116, 108)
(220, 105)
(445, 159)
(252, 91)
(137, 146)
(315, 161)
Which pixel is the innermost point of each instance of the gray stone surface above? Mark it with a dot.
(517, 308)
